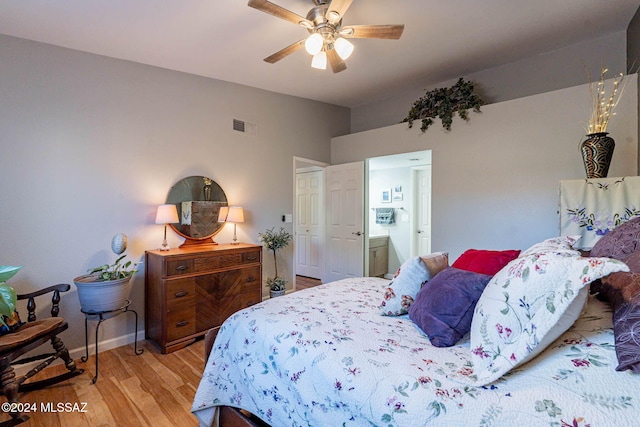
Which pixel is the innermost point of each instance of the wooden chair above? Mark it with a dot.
(29, 336)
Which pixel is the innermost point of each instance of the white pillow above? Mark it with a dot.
(562, 244)
(522, 309)
(408, 280)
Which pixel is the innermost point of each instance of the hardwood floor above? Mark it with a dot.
(151, 389)
(303, 282)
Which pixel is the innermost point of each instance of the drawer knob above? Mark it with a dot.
(181, 294)
(182, 323)
(251, 279)
(181, 267)
(252, 258)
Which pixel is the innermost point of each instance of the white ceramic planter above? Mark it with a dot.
(99, 296)
(274, 294)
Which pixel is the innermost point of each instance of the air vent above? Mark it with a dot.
(245, 127)
(238, 125)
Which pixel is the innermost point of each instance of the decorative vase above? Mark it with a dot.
(274, 294)
(207, 192)
(100, 296)
(597, 151)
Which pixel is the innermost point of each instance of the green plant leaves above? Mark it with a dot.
(444, 103)
(7, 272)
(8, 299)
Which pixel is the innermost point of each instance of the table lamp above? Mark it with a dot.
(235, 214)
(166, 214)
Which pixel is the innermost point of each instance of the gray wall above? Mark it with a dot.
(89, 146)
(542, 73)
(495, 178)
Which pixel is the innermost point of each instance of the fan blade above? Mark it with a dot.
(337, 64)
(372, 31)
(337, 9)
(284, 52)
(279, 12)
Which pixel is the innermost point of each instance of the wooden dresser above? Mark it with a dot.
(189, 291)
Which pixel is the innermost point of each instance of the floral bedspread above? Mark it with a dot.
(326, 357)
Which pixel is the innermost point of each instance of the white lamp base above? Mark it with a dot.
(165, 245)
(235, 238)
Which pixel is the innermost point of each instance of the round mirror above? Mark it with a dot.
(198, 200)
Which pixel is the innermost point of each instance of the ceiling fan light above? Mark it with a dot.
(319, 60)
(333, 16)
(343, 47)
(313, 44)
(346, 32)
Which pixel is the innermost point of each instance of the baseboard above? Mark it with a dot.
(79, 352)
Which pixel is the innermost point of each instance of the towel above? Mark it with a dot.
(384, 216)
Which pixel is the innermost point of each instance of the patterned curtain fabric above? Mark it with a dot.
(591, 208)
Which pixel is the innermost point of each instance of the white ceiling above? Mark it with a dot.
(227, 40)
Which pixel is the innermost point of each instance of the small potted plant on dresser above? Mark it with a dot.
(274, 241)
(107, 287)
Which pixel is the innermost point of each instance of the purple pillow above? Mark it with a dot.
(619, 243)
(444, 307)
(622, 291)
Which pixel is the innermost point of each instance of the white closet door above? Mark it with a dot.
(309, 229)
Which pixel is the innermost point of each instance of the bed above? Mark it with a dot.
(326, 356)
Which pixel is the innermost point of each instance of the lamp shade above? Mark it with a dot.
(223, 213)
(167, 214)
(236, 214)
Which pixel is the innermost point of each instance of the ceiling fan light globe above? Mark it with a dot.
(313, 44)
(343, 47)
(319, 60)
(333, 16)
(346, 32)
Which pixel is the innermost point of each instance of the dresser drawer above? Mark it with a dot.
(251, 257)
(210, 263)
(176, 267)
(181, 323)
(180, 293)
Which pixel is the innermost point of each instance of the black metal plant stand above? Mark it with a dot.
(124, 309)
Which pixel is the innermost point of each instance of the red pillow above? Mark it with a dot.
(484, 261)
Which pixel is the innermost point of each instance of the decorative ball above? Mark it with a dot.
(119, 243)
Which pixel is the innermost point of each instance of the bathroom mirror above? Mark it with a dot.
(198, 199)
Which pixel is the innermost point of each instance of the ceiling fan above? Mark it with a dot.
(327, 39)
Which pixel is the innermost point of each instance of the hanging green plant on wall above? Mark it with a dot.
(444, 103)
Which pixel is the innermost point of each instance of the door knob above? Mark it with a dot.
(357, 233)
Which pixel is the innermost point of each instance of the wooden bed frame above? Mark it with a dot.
(230, 416)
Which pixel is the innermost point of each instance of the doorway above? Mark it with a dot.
(308, 218)
(328, 221)
(400, 183)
